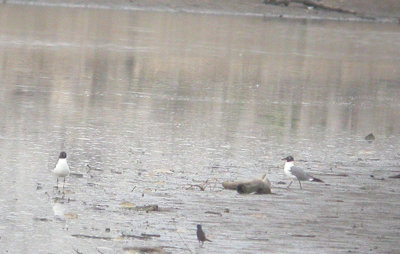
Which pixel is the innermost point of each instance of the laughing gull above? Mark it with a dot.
(294, 172)
(201, 236)
(62, 168)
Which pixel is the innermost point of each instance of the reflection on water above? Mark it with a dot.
(268, 73)
(130, 91)
(59, 211)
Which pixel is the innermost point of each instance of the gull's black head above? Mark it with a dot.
(288, 159)
(63, 155)
(198, 226)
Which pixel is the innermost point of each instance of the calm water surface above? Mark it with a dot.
(158, 102)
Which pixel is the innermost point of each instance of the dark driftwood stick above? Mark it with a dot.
(92, 237)
(77, 251)
(310, 3)
(145, 249)
(324, 7)
(141, 237)
(202, 188)
(146, 208)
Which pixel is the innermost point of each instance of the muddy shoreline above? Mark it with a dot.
(156, 109)
(386, 11)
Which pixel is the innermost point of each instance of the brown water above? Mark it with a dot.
(162, 101)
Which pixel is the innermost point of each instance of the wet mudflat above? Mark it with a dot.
(157, 103)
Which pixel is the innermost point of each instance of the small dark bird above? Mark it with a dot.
(370, 138)
(201, 236)
(294, 172)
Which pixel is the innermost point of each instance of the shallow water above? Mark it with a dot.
(159, 102)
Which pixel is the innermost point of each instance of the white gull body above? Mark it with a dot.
(62, 168)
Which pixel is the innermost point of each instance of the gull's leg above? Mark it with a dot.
(289, 184)
(300, 185)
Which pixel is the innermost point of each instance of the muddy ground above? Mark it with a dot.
(157, 110)
(372, 10)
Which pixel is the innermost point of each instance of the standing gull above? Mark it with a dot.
(62, 168)
(201, 236)
(294, 172)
